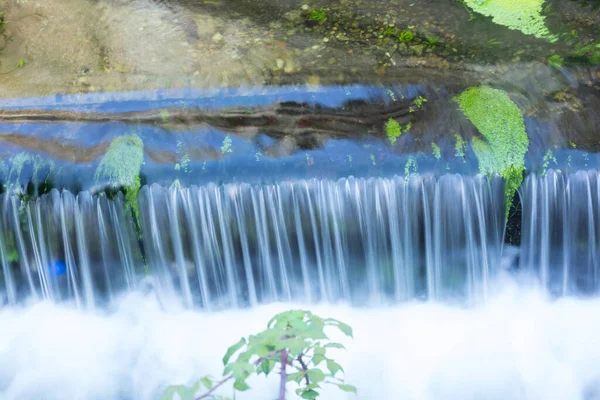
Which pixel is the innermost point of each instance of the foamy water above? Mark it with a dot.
(519, 346)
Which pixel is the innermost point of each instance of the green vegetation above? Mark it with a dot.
(406, 36)
(504, 144)
(460, 147)
(294, 340)
(394, 130)
(318, 15)
(410, 167)
(548, 157)
(522, 15)
(2, 22)
(226, 146)
(437, 153)
(418, 102)
(555, 61)
(120, 168)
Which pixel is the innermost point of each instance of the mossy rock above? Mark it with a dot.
(120, 168)
(522, 15)
(504, 144)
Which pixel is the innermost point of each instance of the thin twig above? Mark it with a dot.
(211, 391)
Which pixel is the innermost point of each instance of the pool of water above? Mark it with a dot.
(521, 345)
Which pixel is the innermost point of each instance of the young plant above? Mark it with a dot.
(318, 15)
(406, 36)
(294, 343)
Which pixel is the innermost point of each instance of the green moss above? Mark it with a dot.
(504, 144)
(460, 147)
(556, 61)
(437, 153)
(406, 36)
(522, 15)
(120, 168)
(317, 15)
(226, 146)
(410, 167)
(394, 130)
(548, 157)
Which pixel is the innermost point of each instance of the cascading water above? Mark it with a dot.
(238, 244)
(560, 242)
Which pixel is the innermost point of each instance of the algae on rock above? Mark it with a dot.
(120, 168)
(504, 144)
(522, 15)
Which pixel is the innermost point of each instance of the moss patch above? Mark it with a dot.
(437, 152)
(522, 15)
(120, 168)
(393, 129)
(504, 144)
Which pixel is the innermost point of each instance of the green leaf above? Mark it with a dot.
(295, 377)
(232, 349)
(334, 346)
(347, 388)
(345, 328)
(266, 366)
(295, 346)
(315, 375)
(239, 370)
(310, 394)
(334, 367)
(318, 359)
(241, 385)
(184, 392)
(314, 332)
(207, 382)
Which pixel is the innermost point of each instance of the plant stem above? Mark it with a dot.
(207, 394)
(283, 380)
(304, 368)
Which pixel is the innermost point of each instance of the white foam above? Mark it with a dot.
(519, 346)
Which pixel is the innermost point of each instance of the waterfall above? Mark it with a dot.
(560, 242)
(357, 240)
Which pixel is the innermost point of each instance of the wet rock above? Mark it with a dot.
(217, 38)
(417, 49)
(289, 67)
(314, 80)
(294, 16)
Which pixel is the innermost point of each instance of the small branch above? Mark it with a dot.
(211, 391)
(304, 368)
(267, 357)
(283, 381)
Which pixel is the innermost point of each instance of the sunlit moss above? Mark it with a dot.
(460, 147)
(120, 168)
(504, 144)
(394, 130)
(522, 15)
(437, 152)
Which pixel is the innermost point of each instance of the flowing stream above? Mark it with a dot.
(219, 260)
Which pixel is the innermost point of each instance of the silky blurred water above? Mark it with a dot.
(521, 345)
